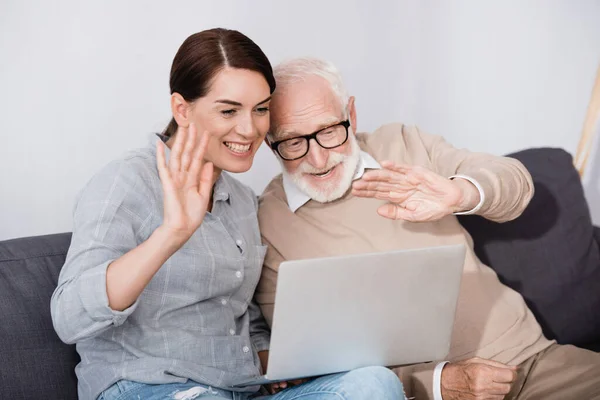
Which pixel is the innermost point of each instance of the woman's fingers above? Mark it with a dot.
(198, 162)
(188, 148)
(161, 164)
(177, 149)
(206, 180)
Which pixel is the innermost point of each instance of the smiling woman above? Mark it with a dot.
(222, 82)
(157, 286)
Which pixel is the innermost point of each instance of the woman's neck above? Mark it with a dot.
(215, 177)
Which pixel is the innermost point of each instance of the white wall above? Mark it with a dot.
(81, 82)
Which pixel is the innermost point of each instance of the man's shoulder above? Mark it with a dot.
(273, 193)
(389, 141)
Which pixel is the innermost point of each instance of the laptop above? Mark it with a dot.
(378, 309)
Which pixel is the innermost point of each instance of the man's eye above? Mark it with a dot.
(293, 143)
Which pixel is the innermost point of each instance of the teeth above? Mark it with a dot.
(324, 173)
(238, 148)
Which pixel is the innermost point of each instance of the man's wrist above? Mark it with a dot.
(472, 195)
(437, 380)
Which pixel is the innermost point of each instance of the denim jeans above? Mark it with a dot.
(368, 383)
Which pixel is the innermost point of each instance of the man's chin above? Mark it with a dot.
(324, 194)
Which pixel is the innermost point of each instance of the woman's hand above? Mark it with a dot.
(187, 182)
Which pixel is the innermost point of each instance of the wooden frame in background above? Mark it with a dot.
(589, 128)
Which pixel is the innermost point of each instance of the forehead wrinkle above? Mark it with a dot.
(316, 116)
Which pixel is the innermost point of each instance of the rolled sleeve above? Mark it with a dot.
(94, 299)
(80, 307)
(106, 219)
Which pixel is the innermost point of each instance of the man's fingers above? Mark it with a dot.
(504, 375)
(402, 168)
(297, 382)
(380, 186)
(382, 195)
(499, 388)
(495, 364)
(393, 211)
(364, 193)
(382, 175)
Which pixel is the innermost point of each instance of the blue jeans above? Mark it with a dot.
(360, 384)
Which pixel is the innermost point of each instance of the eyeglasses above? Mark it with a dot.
(328, 138)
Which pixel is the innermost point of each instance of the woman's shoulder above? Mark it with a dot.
(133, 175)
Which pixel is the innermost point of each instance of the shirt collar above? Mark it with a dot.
(222, 187)
(296, 198)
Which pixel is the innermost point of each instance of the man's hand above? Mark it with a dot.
(279, 386)
(477, 378)
(415, 193)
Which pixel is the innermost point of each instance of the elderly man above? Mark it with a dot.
(399, 188)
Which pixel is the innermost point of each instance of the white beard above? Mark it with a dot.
(329, 191)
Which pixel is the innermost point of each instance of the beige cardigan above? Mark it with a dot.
(492, 321)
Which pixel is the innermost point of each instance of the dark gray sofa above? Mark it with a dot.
(550, 255)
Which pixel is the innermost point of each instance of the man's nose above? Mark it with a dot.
(317, 156)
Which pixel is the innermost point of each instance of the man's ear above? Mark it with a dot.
(352, 113)
(268, 141)
(180, 109)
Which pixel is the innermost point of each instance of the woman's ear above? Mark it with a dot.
(180, 109)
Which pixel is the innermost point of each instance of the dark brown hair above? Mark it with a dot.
(204, 54)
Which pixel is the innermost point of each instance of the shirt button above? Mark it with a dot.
(245, 349)
(232, 332)
(238, 274)
(224, 302)
(238, 242)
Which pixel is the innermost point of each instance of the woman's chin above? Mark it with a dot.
(237, 167)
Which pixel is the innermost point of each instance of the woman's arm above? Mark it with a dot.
(106, 269)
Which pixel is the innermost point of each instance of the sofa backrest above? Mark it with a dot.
(34, 363)
(550, 254)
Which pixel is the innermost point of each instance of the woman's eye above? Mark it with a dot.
(262, 110)
(228, 112)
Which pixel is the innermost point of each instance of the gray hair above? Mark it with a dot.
(298, 69)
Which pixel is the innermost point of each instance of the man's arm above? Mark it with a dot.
(506, 183)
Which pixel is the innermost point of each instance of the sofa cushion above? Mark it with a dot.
(549, 254)
(34, 363)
